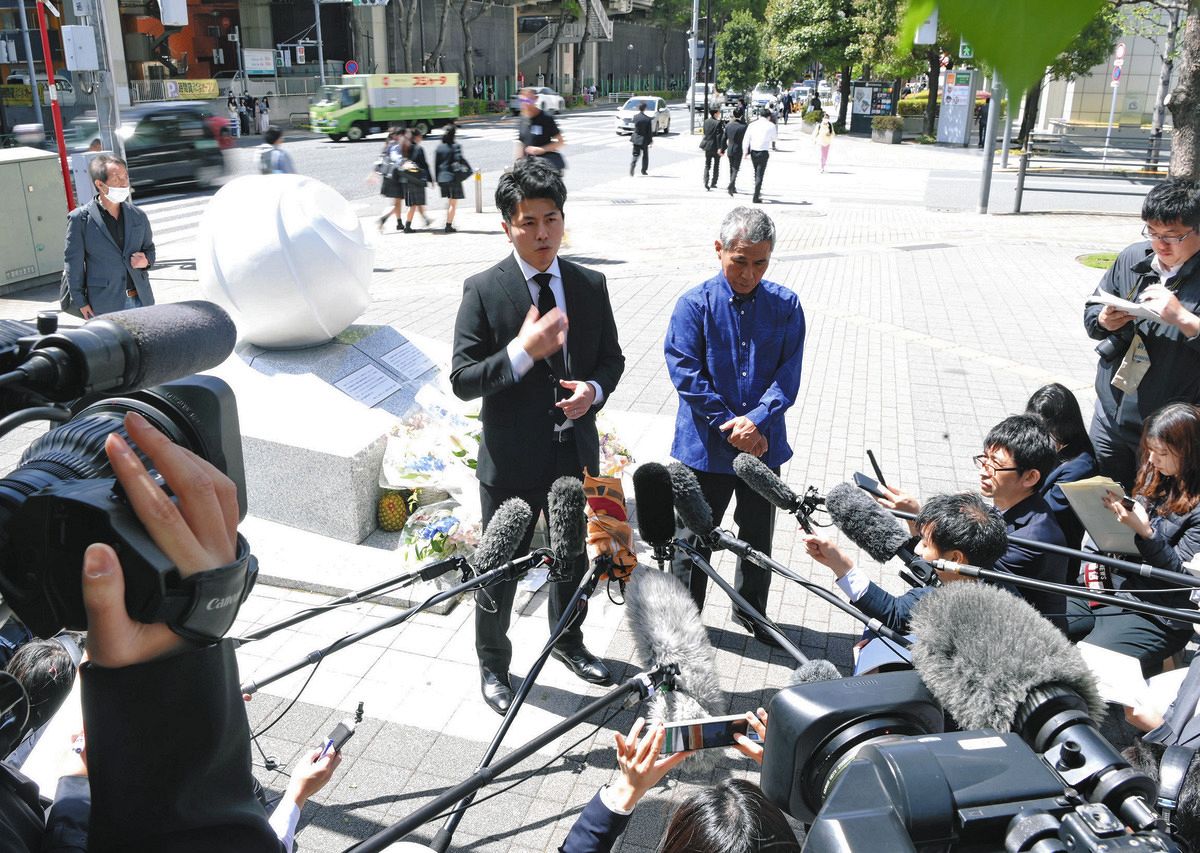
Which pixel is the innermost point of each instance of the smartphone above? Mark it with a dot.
(868, 485)
(709, 733)
(1128, 502)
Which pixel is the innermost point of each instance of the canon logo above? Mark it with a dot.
(218, 603)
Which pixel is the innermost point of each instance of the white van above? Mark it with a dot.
(702, 92)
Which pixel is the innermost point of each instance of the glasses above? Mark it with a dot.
(986, 462)
(1163, 238)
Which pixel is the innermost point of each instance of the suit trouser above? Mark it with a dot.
(1134, 634)
(712, 161)
(755, 519)
(759, 159)
(644, 151)
(493, 606)
(1116, 457)
(735, 164)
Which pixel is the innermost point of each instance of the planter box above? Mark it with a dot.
(889, 137)
(914, 125)
(807, 127)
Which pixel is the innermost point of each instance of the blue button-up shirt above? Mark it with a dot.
(730, 356)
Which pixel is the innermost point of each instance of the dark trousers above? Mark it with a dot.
(1141, 637)
(493, 606)
(786, 112)
(1116, 455)
(735, 164)
(755, 520)
(712, 161)
(644, 151)
(759, 159)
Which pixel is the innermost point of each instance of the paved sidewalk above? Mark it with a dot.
(925, 327)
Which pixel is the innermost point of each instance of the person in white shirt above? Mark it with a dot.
(760, 135)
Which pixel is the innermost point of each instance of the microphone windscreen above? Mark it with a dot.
(655, 503)
(174, 340)
(762, 479)
(504, 533)
(981, 651)
(815, 670)
(865, 523)
(566, 511)
(693, 509)
(667, 629)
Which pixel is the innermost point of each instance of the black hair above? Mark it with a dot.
(739, 113)
(1060, 415)
(713, 111)
(530, 178)
(273, 135)
(642, 107)
(733, 816)
(964, 522)
(1024, 437)
(98, 168)
(1146, 758)
(449, 133)
(1173, 200)
(764, 112)
(46, 671)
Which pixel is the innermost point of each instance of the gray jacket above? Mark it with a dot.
(95, 268)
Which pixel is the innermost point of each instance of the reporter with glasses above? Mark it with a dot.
(1145, 364)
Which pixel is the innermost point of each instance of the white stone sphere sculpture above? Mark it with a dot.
(287, 256)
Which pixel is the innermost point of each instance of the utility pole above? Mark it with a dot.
(320, 41)
(989, 143)
(55, 110)
(691, 96)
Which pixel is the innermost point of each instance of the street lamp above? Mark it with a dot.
(628, 64)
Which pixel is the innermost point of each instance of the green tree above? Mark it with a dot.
(807, 31)
(740, 52)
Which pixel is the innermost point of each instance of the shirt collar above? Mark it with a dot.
(730, 295)
(1164, 274)
(529, 272)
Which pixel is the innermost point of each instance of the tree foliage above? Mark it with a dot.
(740, 52)
(803, 31)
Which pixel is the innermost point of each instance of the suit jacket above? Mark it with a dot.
(1033, 519)
(643, 130)
(735, 132)
(893, 611)
(95, 267)
(595, 830)
(714, 136)
(520, 416)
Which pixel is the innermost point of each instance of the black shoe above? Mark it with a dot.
(732, 190)
(759, 634)
(584, 664)
(408, 229)
(757, 200)
(707, 188)
(645, 173)
(449, 229)
(399, 225)
(496, 690)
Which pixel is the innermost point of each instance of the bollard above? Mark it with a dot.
(478, 191)
(1021, 170)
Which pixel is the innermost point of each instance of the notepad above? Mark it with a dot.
(1086, 498)
(1137, 309)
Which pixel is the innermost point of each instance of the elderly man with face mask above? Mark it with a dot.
(109, 248)
(734, 349)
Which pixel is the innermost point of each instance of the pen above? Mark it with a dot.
(325, 749)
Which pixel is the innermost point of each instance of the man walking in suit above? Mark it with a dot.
(713, 144)
(735, 131)
(643, 138)
(760, 138)
(109, 246)
(541, 387)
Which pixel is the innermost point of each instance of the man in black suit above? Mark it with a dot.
(713, 144)
(735, 133)
(541, 387)
(642, 137)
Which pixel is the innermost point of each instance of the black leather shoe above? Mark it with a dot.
(584, 664)
(759, 634)
(496, 690)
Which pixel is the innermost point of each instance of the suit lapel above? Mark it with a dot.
(575, 307)
(127, 222)
(512, 280)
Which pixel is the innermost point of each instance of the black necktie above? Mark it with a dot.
(558, 365)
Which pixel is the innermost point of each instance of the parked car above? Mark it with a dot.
(656, 108)
(702, 93)
(548, 101)
(164, 143)
(764, 95)
(824, 89)
(733, 97)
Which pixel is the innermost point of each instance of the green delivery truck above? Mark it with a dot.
(368, 103)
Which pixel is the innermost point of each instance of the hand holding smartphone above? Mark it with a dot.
(709, 733)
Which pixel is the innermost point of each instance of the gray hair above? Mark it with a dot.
(747, 225)
(98, 167)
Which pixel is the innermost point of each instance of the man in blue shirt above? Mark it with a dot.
(734, 349)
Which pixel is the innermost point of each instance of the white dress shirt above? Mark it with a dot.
(760, 134)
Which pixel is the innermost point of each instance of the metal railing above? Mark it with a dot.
(159, 90)
(1121, 166)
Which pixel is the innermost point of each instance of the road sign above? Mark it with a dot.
(1116, 77)
(351, 66)
(1120, 53)
(965, 50)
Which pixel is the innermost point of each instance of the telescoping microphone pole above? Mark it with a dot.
(633, 690)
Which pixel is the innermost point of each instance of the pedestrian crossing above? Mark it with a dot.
(174, 218)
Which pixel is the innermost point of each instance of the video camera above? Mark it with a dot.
(867, 763)
(62, 497)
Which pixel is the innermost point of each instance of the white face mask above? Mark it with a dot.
(117, 195)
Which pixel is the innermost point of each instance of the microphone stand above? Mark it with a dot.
(1123, 566)
(753, 615)
(1069, 591)
(724, 539)
(509, 571)
(633, 691)
(426, 573)
(575, 608)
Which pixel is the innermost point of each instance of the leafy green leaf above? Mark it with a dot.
(1018, 37)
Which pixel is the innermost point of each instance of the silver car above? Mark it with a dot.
(656, 108)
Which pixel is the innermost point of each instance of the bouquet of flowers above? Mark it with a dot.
(432, 448)
(614, 456)
(439, 530)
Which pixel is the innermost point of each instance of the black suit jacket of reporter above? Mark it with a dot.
(518, 417)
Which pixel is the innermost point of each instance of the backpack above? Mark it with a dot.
(266, 160)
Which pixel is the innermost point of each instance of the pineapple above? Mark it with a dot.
(393, 511)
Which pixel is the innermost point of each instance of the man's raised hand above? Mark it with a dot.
(543, 335)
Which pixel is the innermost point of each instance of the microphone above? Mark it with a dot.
(985, 654)
(693, 509)
(872, 528)
(129, 350)
(813, 671)
(667, 629)
(567, 520)
(504, 533)
(755, 474)
(655, 509)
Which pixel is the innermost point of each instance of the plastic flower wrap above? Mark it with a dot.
(439, 530)
(614, 456)
(434, 447)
